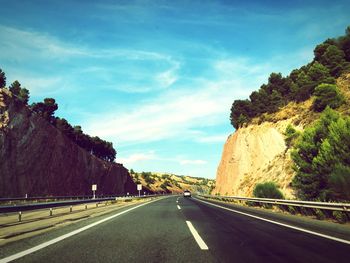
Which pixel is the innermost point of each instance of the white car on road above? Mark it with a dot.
(187, 193)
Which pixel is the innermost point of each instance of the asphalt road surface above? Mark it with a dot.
(178, 229)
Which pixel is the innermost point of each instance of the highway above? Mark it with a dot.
(178, 229)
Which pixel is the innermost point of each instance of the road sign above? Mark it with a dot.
(139, 187)
(94, 188)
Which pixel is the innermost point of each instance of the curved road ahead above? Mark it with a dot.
(178, 229)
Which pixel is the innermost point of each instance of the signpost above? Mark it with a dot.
(139, 188)
(94, 188)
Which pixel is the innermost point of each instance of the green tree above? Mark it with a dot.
(46, 109)
(334, 59)
(21, 93)
(318, 73)
(15, 88)
(344, 44)
(2, 79)
(267, 190)
(327, 95)
(312, 172)
(65, 127)
(305, 87)
(240, 107)
(24, 95)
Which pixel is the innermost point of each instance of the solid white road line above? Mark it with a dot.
(197, 237)
(278, 223)
(178, 207)
(58, 239)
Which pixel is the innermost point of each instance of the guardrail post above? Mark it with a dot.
(19, 216)
(50, 211)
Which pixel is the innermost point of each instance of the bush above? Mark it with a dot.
(291, 134)
(340, 216)
(267, 190)
(292, 210)
(327, 95)
(319, 214)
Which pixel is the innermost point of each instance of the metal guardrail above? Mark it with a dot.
(10, 199)
(37, 206)
(308, 204)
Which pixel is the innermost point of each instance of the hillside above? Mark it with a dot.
(38, 159)
(171, 183)
(257, 152)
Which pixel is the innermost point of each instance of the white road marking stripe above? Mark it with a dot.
(178, 207)
(281, 224)
(58, 239)
(197, 237)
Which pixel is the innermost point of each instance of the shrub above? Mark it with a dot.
(327, 95)
(319, 214)
(340, 216)
(267, 190)
(291, 134)
(292, 210)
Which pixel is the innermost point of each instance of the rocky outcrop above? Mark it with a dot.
(37, 159)
(257, 152)
(252, 155)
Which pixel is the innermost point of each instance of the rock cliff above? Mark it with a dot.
(254, 154)
(257, 153)
(38, 160)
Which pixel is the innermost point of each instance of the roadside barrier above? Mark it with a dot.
(344, 207)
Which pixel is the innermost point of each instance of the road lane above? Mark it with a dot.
(237, 238)
(153, 233)
(161, 232)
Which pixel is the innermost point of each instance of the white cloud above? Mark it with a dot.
(20, 44)
(176, 113)
(136, 157)
(168, 77)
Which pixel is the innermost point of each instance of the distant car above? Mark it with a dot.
(187, 193)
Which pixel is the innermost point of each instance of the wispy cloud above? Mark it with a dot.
(137, 157)
(21, 44)
(176, 113)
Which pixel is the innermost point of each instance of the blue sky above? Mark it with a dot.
(157, 78)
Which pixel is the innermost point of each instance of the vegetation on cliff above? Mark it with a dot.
(320, 153)
(331, 59)
(94, 145)
(167, 183)
(322, 159)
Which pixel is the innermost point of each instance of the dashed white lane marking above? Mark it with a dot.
(197, 237)
(178, 207)
(58, 239)
(278, 223)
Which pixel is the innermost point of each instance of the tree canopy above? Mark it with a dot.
(94, 145)
(331, 59)
(2, 79)
(322, 159)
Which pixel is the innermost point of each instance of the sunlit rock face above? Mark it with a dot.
(251, 155)
(38, 159)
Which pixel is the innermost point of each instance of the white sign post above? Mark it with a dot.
(94, 188)
(139, 188)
